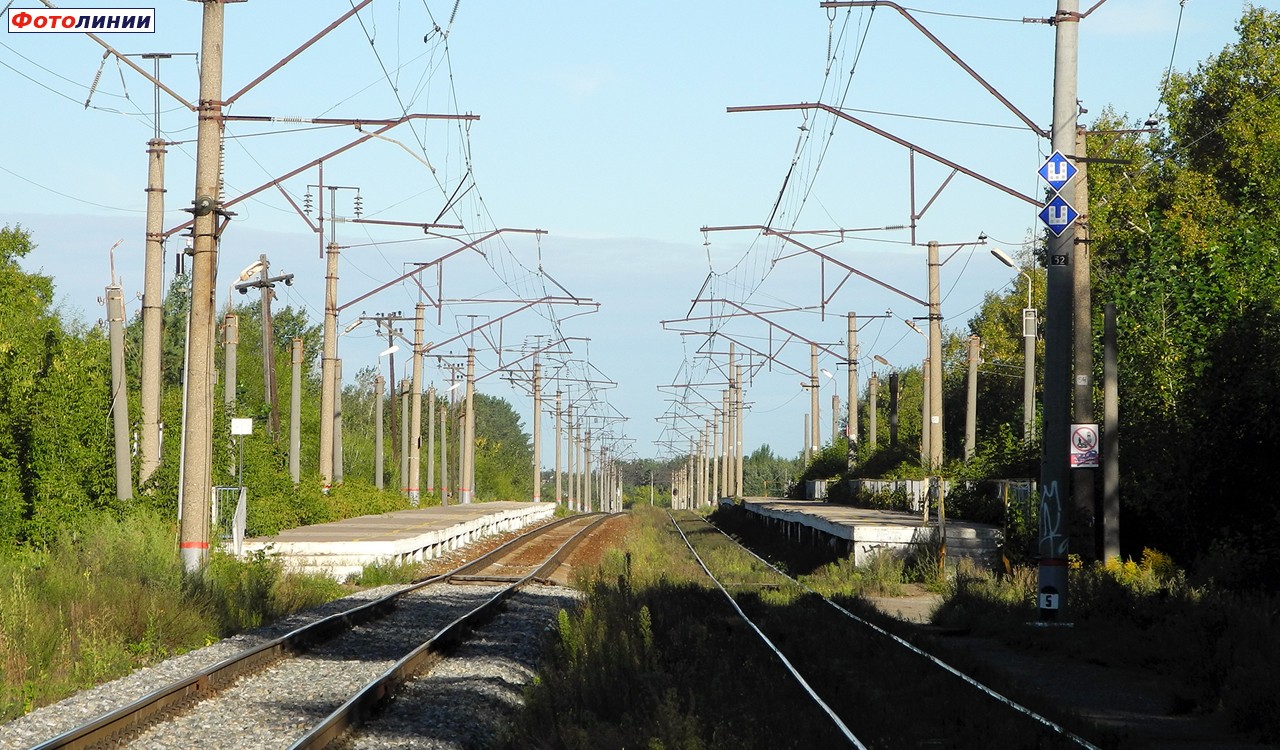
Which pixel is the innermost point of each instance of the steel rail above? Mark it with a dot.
(207, 682)
(917, 650)
(804, 685)
(357, 709)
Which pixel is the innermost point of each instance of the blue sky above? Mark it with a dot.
(605, 125)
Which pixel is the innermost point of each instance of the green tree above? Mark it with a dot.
(55, 434)
(1186, 245)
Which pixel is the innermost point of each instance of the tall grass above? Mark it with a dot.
(109, 595)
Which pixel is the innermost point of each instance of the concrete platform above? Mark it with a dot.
(865, 532)
(342, 548)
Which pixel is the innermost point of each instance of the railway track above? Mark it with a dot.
(315, 684)
(877, 689)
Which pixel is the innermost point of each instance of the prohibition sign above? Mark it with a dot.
(1085, 438)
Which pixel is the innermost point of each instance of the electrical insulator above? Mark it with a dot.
(359, 205)
(306, 203)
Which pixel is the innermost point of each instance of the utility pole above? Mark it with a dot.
(329, 356)
(1083, 533)
(152, 301)
(537, 432)
(559, 492)
(971, 410)
(1055, 476)
(815, 434)
(197, 430)
(415, 407)
(467, 481)
(119, 392)
(230, 343)
(377, 440)
(851, 427)
(295, 414)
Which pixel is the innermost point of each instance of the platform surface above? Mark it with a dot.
(845, 515)
(387, 527)
(868, 530)
(343, 547)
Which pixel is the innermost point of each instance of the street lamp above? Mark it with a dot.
(1029, 327)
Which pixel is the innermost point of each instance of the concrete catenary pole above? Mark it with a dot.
(431, 439)
(559, 487)
(119, 393)
(537, 432)
(971, 403)
(152, 313)
(327, 360)
(415, 409)
(377, 439)
(1055, 475)
(295, 413)
(197, 430)
(815, 426)
(936, 456)
(338, 466)
(1083, 534)
(467, 482)
(1110, 437)
(230, 347)
(717, 449)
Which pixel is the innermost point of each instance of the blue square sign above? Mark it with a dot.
(1057, 170)
(1058, 215)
